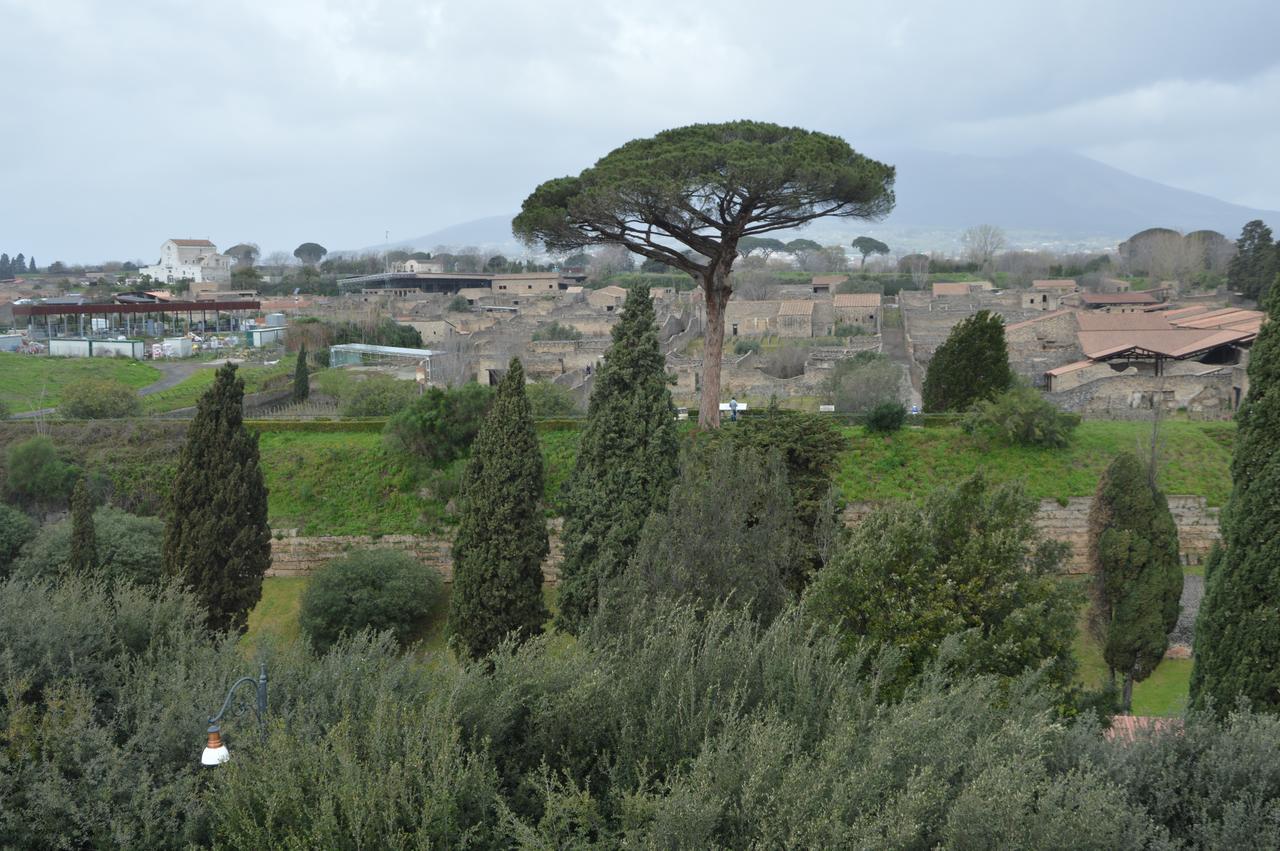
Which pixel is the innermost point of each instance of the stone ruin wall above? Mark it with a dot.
(1197, 522)
(1131, 396)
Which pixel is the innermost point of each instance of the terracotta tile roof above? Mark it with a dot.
(1128, 728)
(856, 300)
(1172, 342)
(193, 243)
(796, 308)
(959, 288)
(1054, 284)
(613, 290)
(829, 280)
(1118, 298)
(1218, 319)
(1183, 312)
(751, 309)
(1122, 322)
(1070, 367)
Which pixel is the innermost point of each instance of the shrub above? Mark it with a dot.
(556, 331)
(381, 590)
(785, 362)
(886, 417)
(548, 399)
(742, 346)
(849, 330)
(16, 529)
(1022, 417)
(379, 396)
(439, 425)
(129, 549)
(99, 399)
(971, 364)
(458, 304)
(862, 382)
(37, 475)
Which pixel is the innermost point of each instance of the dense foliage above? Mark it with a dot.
(626, 461)
(440, 425)
(967, 562)
(379, 396)
(862, 382)
(556, 331)
(1020, 416)
(36, 473)
(502, 532)
(971, 365)
(724, 538)
(809, 446)
(84, 542)
(128, 549)
(1237, 632)
(886, 418)
(686, 197)
(99, 399)
(1137, 577)
(1254, 268)
(673, 731)
(550, 400)
(217, 541)
(15, 530)
(378, 590)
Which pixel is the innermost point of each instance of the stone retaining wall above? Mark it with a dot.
(1197, 524)
(295, 555)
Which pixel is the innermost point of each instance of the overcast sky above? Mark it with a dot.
(279, 121)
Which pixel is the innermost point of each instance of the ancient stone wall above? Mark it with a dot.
(1197, 524)
(1132, 395)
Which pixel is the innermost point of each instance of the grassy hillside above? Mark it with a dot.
(1195, 458)
(31, 382)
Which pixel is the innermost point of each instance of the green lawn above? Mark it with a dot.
(31, 382)
(1195, 458)
(186, 394)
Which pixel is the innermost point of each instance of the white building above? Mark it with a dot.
(194, 260)
(416, 267)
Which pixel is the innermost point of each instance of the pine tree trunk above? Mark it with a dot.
(716, 290)
(1126, 700)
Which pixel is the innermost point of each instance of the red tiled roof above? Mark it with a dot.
(856, 300)
(1118, 298)
(1054, 284)
(193, 243)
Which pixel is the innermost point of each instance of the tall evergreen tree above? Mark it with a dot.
(628, 457)
(1237, 643)
(31, 265)
(1253, 270)
(1133, 550)
(6, 267)
(502, 534)
(301, 384)
(972, 364)
(84, 540)
(217, 540)
(19, 264)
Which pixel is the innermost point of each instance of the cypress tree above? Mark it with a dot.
(217, 541)
(84, 541)
(1237, 643)
(1133, 550)
(502, 533)
(301, 385)
(972, 364)
(628, 457)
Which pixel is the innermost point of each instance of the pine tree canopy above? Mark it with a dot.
(1237, 643)
(972, 364)
(502, 533)
(627, 460)
(217, 541)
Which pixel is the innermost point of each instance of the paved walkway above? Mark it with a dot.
(893, 342)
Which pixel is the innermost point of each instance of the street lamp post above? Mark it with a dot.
(215, 752)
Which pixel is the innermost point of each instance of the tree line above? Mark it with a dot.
(12, 267)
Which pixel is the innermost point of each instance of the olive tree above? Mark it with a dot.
(688, 197)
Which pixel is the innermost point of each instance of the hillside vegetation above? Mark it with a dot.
(29, 383)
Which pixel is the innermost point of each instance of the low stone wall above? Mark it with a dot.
(1197, 524)
(295, 555)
